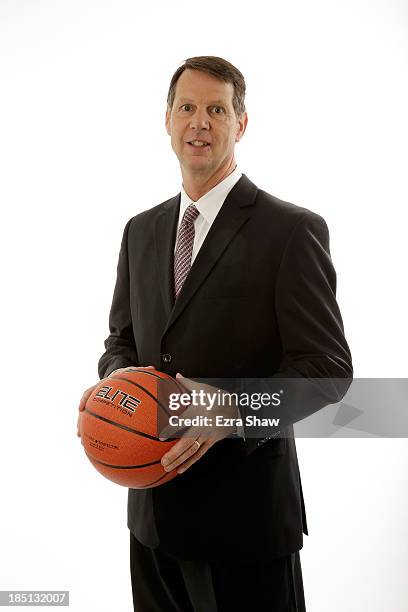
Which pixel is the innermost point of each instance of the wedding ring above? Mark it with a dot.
(197, 442)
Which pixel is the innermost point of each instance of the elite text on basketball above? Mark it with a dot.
(127, 401)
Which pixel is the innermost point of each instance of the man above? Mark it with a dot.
(225, 281)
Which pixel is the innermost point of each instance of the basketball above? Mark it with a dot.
(119, 428)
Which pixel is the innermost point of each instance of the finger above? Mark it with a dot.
(204, 446)
(85, 397)
(187, 383)
(149, 367)
(119, 371)
(179, 453)
(177, 450)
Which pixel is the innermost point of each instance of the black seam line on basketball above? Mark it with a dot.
(149, 484)
(179, 385)
(120, 377)
(122, 467)
(134, 431)
(145, 372)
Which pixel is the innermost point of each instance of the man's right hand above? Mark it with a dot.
(88, 392)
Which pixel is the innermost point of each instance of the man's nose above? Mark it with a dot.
(200, 120)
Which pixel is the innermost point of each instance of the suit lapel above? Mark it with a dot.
(166, 230)
(235, 211)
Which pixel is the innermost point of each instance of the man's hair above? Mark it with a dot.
(218, 68)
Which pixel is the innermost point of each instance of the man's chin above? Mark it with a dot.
(195, 164)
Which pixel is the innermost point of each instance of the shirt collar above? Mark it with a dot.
(210, 203)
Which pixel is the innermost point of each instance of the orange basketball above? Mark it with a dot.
(119, 428)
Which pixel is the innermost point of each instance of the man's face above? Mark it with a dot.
(202, 123)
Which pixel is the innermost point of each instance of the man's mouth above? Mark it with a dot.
(199, 143)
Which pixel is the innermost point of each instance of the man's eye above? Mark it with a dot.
(186, 107)
(218, 110)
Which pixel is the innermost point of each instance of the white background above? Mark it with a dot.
(83, 148)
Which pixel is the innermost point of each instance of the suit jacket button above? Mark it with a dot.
(166, 358)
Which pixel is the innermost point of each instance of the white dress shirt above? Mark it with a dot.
(209, 205)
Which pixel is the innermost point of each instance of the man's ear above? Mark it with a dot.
(167, 120)
(242, 123)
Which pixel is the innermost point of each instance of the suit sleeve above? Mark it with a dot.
(120, 344)
(316, 360)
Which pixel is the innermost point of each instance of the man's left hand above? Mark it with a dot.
(196, 441)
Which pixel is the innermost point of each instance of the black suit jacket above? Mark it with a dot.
(259, 301)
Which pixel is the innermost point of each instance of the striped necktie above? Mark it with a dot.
(184, 248)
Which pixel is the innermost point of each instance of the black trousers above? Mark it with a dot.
(162, 583)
